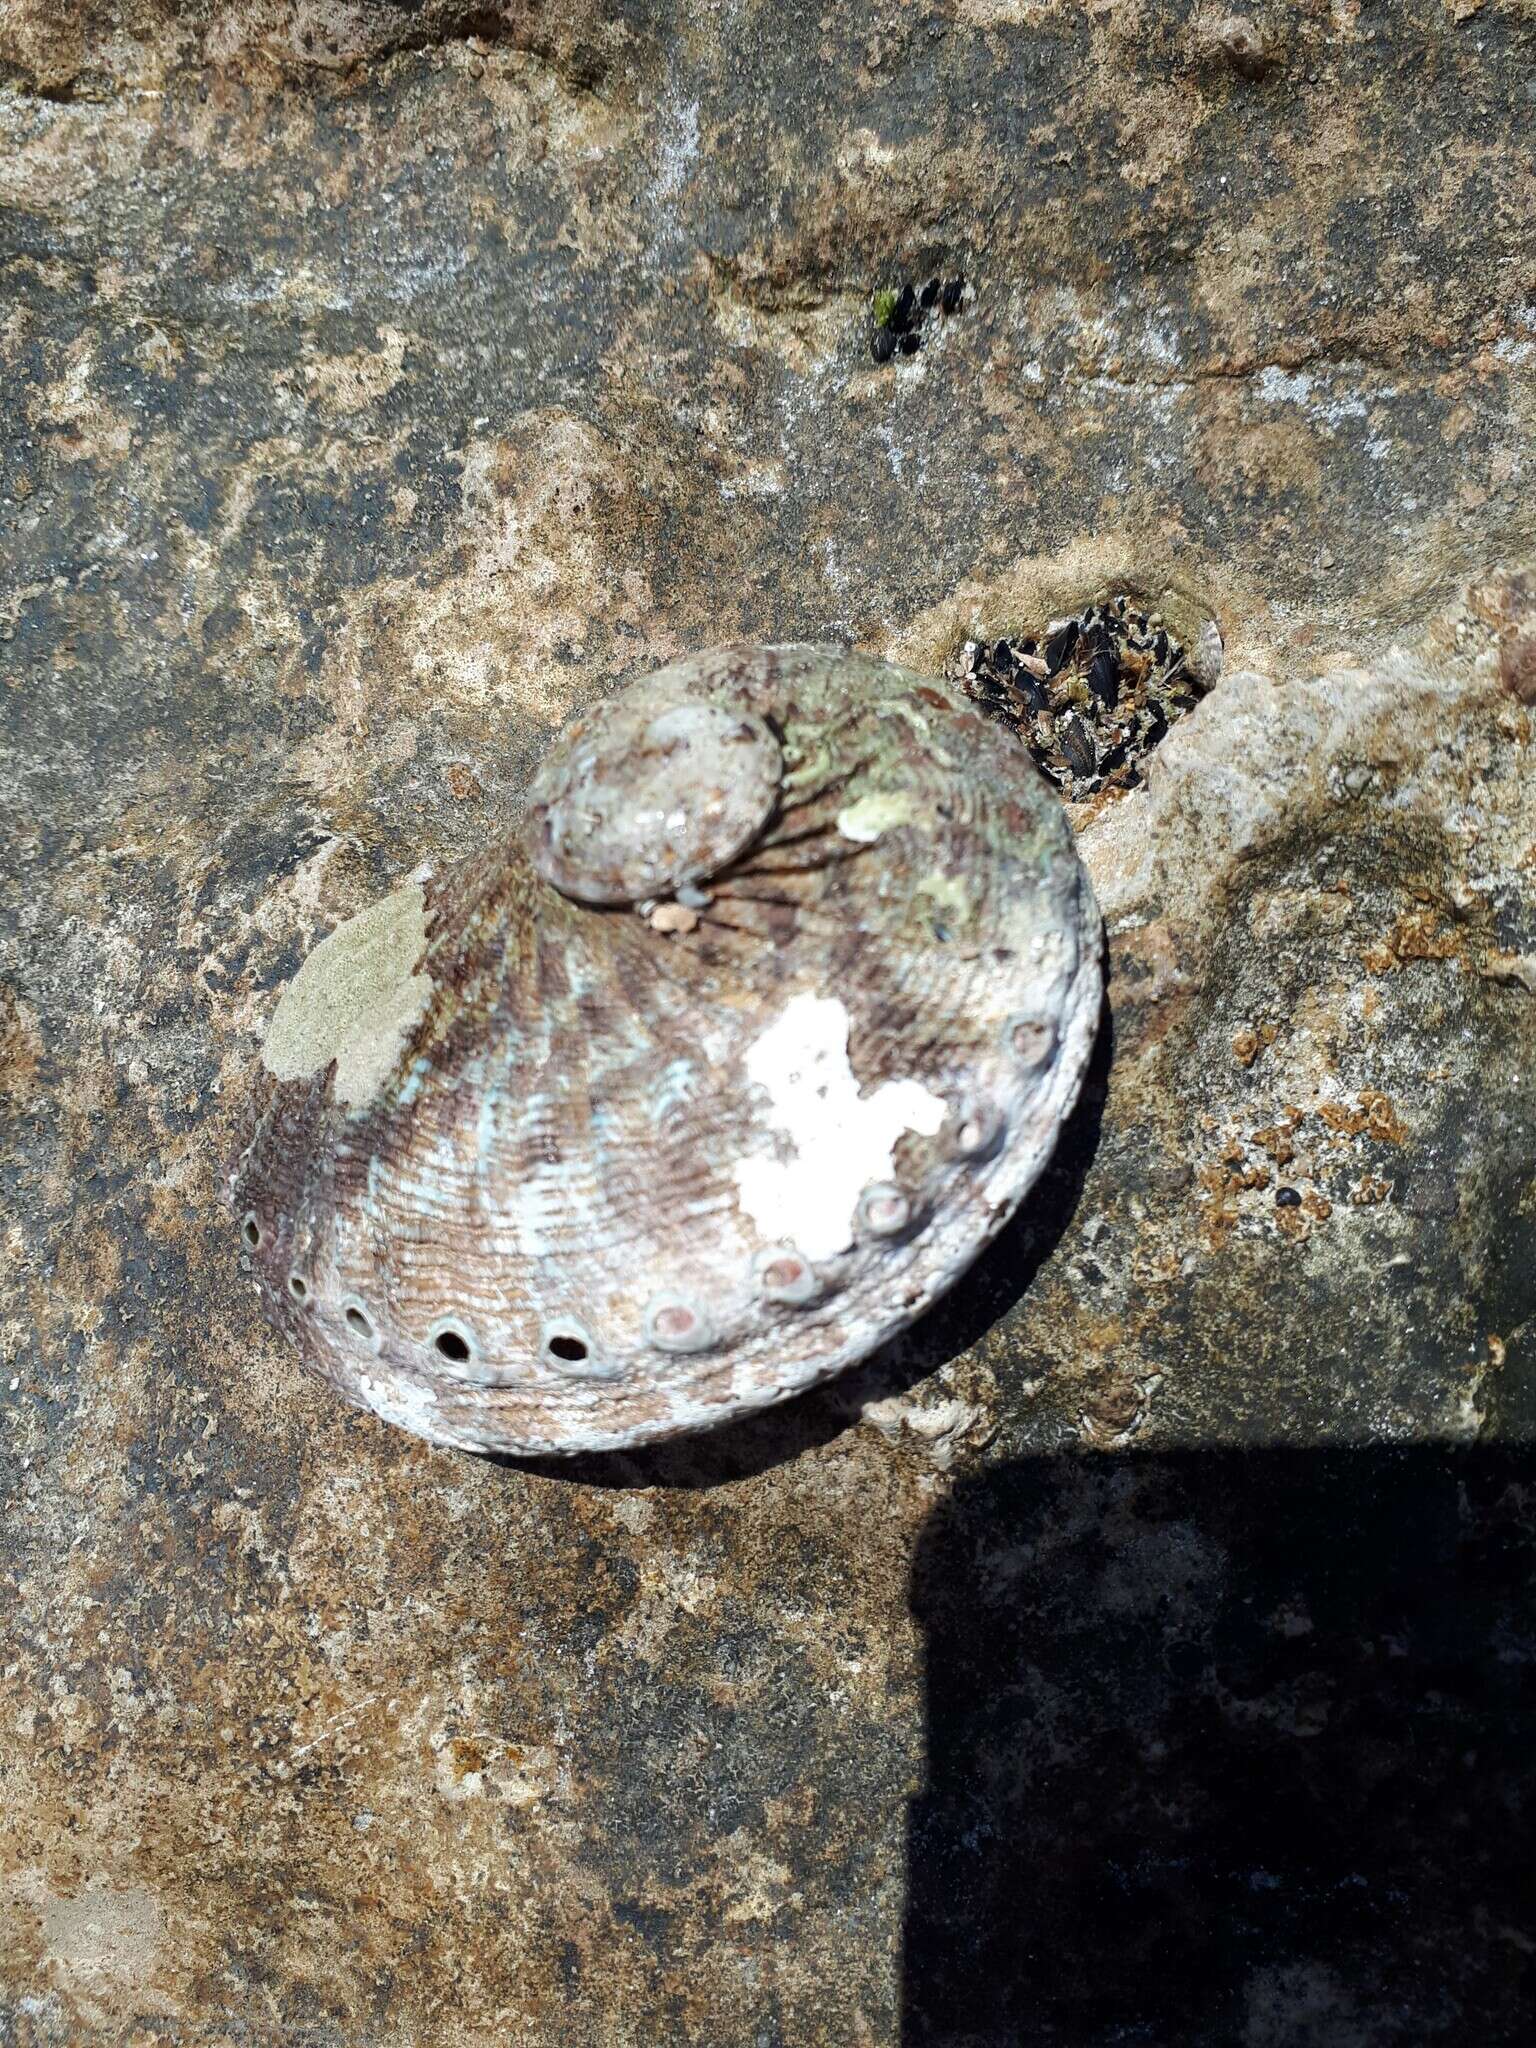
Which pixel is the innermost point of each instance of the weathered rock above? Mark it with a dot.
(370, 407)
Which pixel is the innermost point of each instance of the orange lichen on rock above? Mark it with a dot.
(1224, 1181)
(1249, 1043)
(1277, 1142)
(1375, 1117)
(1417, 935)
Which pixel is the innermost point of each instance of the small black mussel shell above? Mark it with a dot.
(1060, 645)
(1076, 744)
(1029, 690)
(1104, 677)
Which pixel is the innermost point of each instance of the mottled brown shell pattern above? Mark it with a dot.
(694, 1091)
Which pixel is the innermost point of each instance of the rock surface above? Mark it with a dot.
(381, 383)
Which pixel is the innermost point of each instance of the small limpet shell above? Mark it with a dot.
(646, 796)
(697, 1088)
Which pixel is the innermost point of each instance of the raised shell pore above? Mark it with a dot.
(696, 1088)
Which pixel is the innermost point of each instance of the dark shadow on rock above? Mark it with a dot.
(998, 1280)
(1228, 1748)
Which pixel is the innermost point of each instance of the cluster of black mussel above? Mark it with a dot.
(898, 316)
(1090, 696)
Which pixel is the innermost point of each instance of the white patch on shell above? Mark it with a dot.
(406, 1403)
(865, 820)
(356, 1000)
(411, 1405)
(839, 1140)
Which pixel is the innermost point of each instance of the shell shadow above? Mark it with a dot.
(743, 1448)
(1224, 1745)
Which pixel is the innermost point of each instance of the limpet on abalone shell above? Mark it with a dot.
(697, 1087)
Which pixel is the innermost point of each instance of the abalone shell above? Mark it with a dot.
(696, 1088)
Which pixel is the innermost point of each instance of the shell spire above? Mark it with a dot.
(697, 1089)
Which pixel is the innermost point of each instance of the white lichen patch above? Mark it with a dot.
(865, 820)
(356, 1000)
(837, 1141)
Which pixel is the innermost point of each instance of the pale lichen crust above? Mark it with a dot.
(356, 1000)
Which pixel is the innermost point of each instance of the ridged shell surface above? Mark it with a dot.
(698, 1087)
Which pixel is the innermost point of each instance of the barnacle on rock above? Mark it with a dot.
(694, 1090)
